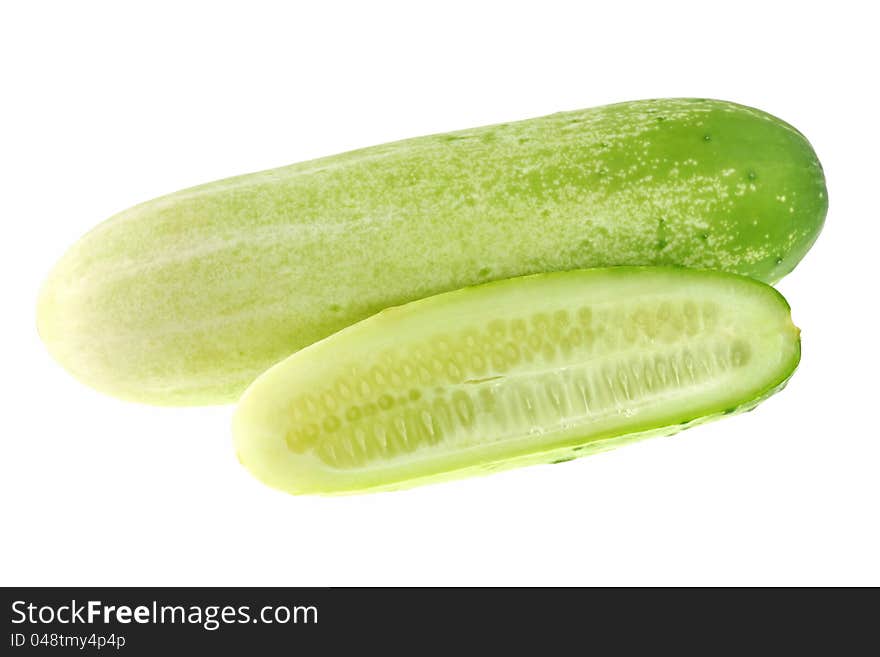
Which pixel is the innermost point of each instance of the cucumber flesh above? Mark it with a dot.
(533, 369)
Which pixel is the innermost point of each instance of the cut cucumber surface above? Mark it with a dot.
(526, 370)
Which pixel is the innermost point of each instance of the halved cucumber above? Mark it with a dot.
(525, 370)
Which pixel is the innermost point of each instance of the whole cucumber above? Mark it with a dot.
(186, 299)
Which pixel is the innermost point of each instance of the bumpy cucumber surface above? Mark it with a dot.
(534, 369)
(186, 299)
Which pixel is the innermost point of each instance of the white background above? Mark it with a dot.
(104, 105)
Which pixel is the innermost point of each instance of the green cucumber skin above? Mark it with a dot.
(187, 298)
(269, 399)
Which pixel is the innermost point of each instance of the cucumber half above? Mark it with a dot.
(526, 370)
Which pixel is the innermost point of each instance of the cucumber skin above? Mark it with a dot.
(186, 299)
(387, 322)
